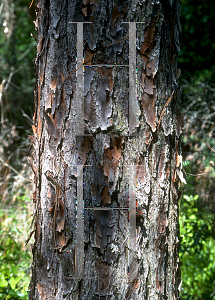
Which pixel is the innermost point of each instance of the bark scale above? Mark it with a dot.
(107, 147)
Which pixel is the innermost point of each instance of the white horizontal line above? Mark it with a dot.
(79, 22)
(105, 208)
(132, 22)
(106, 65)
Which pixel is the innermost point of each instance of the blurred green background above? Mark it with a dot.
(197, 200)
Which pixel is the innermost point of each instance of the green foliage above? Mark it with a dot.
(17, 51)
(197, 37)
(14, 257)
(197, 251)
(197, 207)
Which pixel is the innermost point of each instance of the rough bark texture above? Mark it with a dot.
(108, 151)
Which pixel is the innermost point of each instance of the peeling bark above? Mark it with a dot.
(106, 152)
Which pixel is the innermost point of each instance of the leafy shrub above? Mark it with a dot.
(197, 251)
(197, 207)
(14, 257)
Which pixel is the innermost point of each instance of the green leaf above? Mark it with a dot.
(14, 281)
(3, 282)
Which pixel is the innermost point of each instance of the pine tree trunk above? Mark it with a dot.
(106, 137)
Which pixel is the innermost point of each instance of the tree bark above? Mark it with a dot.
(105, 144)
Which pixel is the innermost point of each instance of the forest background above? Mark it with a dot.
(197, 197)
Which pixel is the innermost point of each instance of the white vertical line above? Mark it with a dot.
(132, 214)
(80, 82)
(132, 77)
(80, 225)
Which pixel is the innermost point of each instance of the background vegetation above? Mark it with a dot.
(197, 201)
(17, 51)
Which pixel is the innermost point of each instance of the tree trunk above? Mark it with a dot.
(107, 155)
